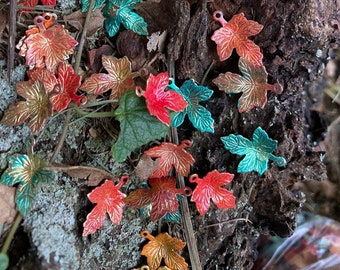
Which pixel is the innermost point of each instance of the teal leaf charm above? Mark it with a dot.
(27, 171)
(119, 12)
(199, 116)
(257, 152)
(85, 4)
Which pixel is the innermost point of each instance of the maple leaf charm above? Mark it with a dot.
(234, 34)
(169, 155)
(253, 85)
(109, 200)
(37, 107)
(210, 187)
(161, 196)
(258, 151)
(158, 100)
(199, 116)
(48, 47)
(27, 171)
(119, 78)
(163, 246)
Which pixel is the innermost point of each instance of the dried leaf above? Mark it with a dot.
(169, 155)
(27, 171)
(119, 78)
(258, 151)
(109, 200)
(37, 107)
(234, 34)
(165, 247)
(146, 166)
(253, 85)
(199, 116)
(156, 41)
(94, 56)
(210, 187)
(158, 100)
(161, 195)
(7, 204)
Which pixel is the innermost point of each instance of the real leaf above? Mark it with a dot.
(7, 204)
(137, 126)
(252, 84)
(161, 195)
(109, 200)
(163, 247)
(158, 100)
(169, 155)
(27, 171)
(145, 167)
(37, 107)
(210, 188)
(257, 152)
(234, 35)
(199, 116)
(119, 78)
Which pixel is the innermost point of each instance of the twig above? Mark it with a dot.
(227, 221)
(12, 35)
(188, 228)
(11, 233)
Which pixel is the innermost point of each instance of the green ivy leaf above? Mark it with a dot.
(28, 172)
(258, 151)
(137, 126)
(4, 261)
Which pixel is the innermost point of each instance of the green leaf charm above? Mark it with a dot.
(137, 126)
(28, 172)
(258, 151)
(119, 12)
(199, 116)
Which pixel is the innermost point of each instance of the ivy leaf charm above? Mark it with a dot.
(27, 171)
(163, 246)
(109, 200)
(199, 116)
(234, 34)
(85, 4)
(252, 84)
(210, 187)
(161, 196)
(158, 100)
(257, 152)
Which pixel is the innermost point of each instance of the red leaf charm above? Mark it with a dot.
(158, 100)
(48, 47)
(109, 200)
(234, 34)
(162, 196)
(210, 188)
(169, 155)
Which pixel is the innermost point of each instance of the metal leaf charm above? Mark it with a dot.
(252, 84)
(234, 34)
(257, 152)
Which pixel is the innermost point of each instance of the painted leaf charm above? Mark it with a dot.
(158, 100)
(48, 47)
(85, 4)
(119, 78)
(34, 3)
(199, 116)
(210, 187)
(137, 126)
(37, 107)
(163, 246)
(109, 200)
(252, 84)
(119, 12)
(161, 196)
(258, 151)
(169, 155)
(234, 34)
(27, 171)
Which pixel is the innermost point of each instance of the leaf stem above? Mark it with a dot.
(11, 233)
(93, 114)
(12, 35)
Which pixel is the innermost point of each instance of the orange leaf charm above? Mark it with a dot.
(234, 34)
(210, 187)
(169, 155)
(109, 200)
(163, 246)
(158, 100)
